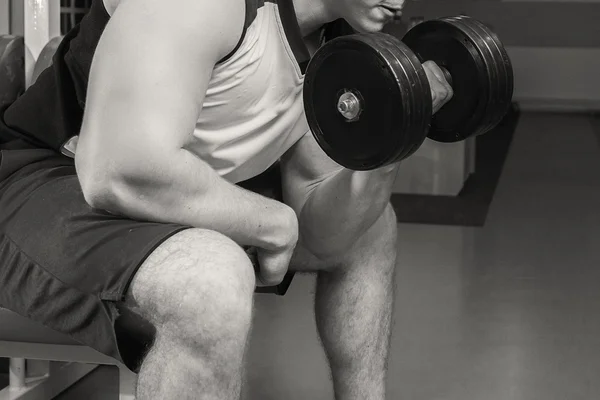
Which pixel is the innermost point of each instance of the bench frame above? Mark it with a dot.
(40, 371)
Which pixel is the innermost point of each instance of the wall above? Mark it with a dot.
(554, 46)
(4, 17)
(17, 14)
(556, 78)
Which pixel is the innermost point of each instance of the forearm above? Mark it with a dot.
(181, 188)
(341, 208)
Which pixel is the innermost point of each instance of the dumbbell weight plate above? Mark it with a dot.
(383, 83)
(502, 79)
(500, 103)
(422, 110)
(482, 78)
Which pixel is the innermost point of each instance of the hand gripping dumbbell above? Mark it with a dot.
(368, 100)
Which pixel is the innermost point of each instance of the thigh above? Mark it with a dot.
(71, 267)
(62, 263)
(46, 217)
(192, 263)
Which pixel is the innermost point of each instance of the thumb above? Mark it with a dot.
(272, 267)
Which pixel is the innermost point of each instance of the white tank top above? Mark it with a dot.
(253, 110)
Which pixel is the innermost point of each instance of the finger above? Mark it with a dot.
(438, 91)
(270, 278)
(435, 70)
(251, 252)
(272, 268)
(263, 276)
(449, 93)
(438, 73)
(258, 271)
(434, 81)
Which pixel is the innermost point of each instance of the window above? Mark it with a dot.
(71, 13)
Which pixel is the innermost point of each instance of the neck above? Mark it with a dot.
(312, 15)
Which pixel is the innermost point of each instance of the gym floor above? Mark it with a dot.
(510, 311)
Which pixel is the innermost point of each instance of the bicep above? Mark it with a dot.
(150, 72)
(303, 167)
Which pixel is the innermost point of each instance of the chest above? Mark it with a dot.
(261, 78)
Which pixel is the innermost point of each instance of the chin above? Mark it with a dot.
(367, 26)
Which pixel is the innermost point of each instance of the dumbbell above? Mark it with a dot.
(368, 101)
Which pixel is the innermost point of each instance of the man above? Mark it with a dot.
(180, 107)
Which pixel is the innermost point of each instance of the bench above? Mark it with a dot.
(44, 363)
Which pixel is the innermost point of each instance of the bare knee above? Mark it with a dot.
(198, 286)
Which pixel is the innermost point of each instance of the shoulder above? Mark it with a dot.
(221, 23)
(250, 8)
(111, 5)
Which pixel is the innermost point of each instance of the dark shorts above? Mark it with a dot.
(66, 265)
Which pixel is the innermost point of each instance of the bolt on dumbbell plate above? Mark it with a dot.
(349, 105)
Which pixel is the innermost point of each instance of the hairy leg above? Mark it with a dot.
(354, 304)
(196, 292)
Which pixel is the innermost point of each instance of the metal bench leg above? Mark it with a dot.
(17, 374)
(46, 384)
(127, 382)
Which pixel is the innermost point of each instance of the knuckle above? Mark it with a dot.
(444, 92)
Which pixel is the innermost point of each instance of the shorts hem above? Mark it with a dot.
(120, 294)
(85, 324)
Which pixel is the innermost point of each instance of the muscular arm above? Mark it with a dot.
(335, 205)
(147, 84)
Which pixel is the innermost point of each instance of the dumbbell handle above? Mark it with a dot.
(446, 73)
(349, 105)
